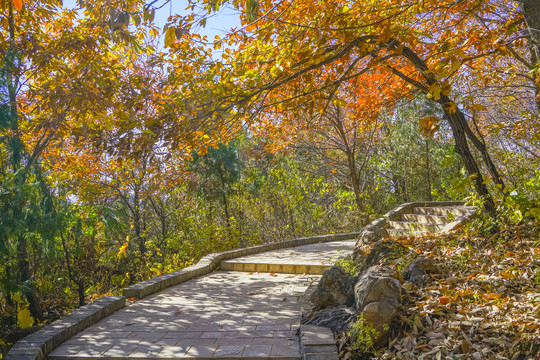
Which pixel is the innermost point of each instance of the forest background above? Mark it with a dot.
(129, 150)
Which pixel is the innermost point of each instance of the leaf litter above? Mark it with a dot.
(484, 304)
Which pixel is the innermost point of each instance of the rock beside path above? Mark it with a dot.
(335, 289)
(377, 297)
(339, 318)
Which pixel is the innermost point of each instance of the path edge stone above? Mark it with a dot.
(211, 262)
(317, 343)
(37, 345)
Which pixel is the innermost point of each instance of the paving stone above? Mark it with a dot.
(66, 351)
(280, 327)
(93, 351)
(273, 342)
(146, 351)
(318, 338)
(183, 334)
(173, 352)
(120, 351)
(322, 356)
(167, 341)
(256, 351)
(218, 334)
(285, 352)
(255, 334)
(229, 351)
(201, 351)
(228, 341)
(315, 349)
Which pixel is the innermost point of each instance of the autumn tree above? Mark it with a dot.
(291, 56)
(58, 71)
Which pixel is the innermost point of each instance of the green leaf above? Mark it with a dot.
(535, 212)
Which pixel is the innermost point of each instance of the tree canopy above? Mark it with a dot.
(129, 149)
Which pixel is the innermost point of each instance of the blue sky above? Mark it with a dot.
(217, 23)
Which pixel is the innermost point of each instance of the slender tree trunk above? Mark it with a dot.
(25, 279)
(355, 181)
(137, 223)
(78, 280)
(81, 291)
(351, 161)
(9, 300)
(428, 173)
(225, 202)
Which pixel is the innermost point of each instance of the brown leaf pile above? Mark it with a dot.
(484, 304)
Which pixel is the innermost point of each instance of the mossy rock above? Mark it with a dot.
(383, 252)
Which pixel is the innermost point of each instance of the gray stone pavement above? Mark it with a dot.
(225, 315)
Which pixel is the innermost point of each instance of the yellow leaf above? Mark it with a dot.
(340, 102)
(122, 251)
(434, 92)
(24, 319)
(170, 36)
(450, 107)
(479, 107)
(18, 4)
(429, 125)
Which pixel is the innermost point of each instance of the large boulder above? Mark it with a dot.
(377, 297)
(335, 289)
(371, 234)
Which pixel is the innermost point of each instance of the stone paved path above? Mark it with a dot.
(311, 259)
(234, 315)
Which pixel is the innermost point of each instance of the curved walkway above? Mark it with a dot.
(226, 314)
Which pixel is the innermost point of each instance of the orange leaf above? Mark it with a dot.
(18, 4)
(444, 300)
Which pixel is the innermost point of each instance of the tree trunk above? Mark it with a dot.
(225, 202)
(531, 13)
(137, 223)
(462, 148)
(77, 280)
(428, 173)
(81, 291)
(458, 123)
(351, 160)
(25, 279)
